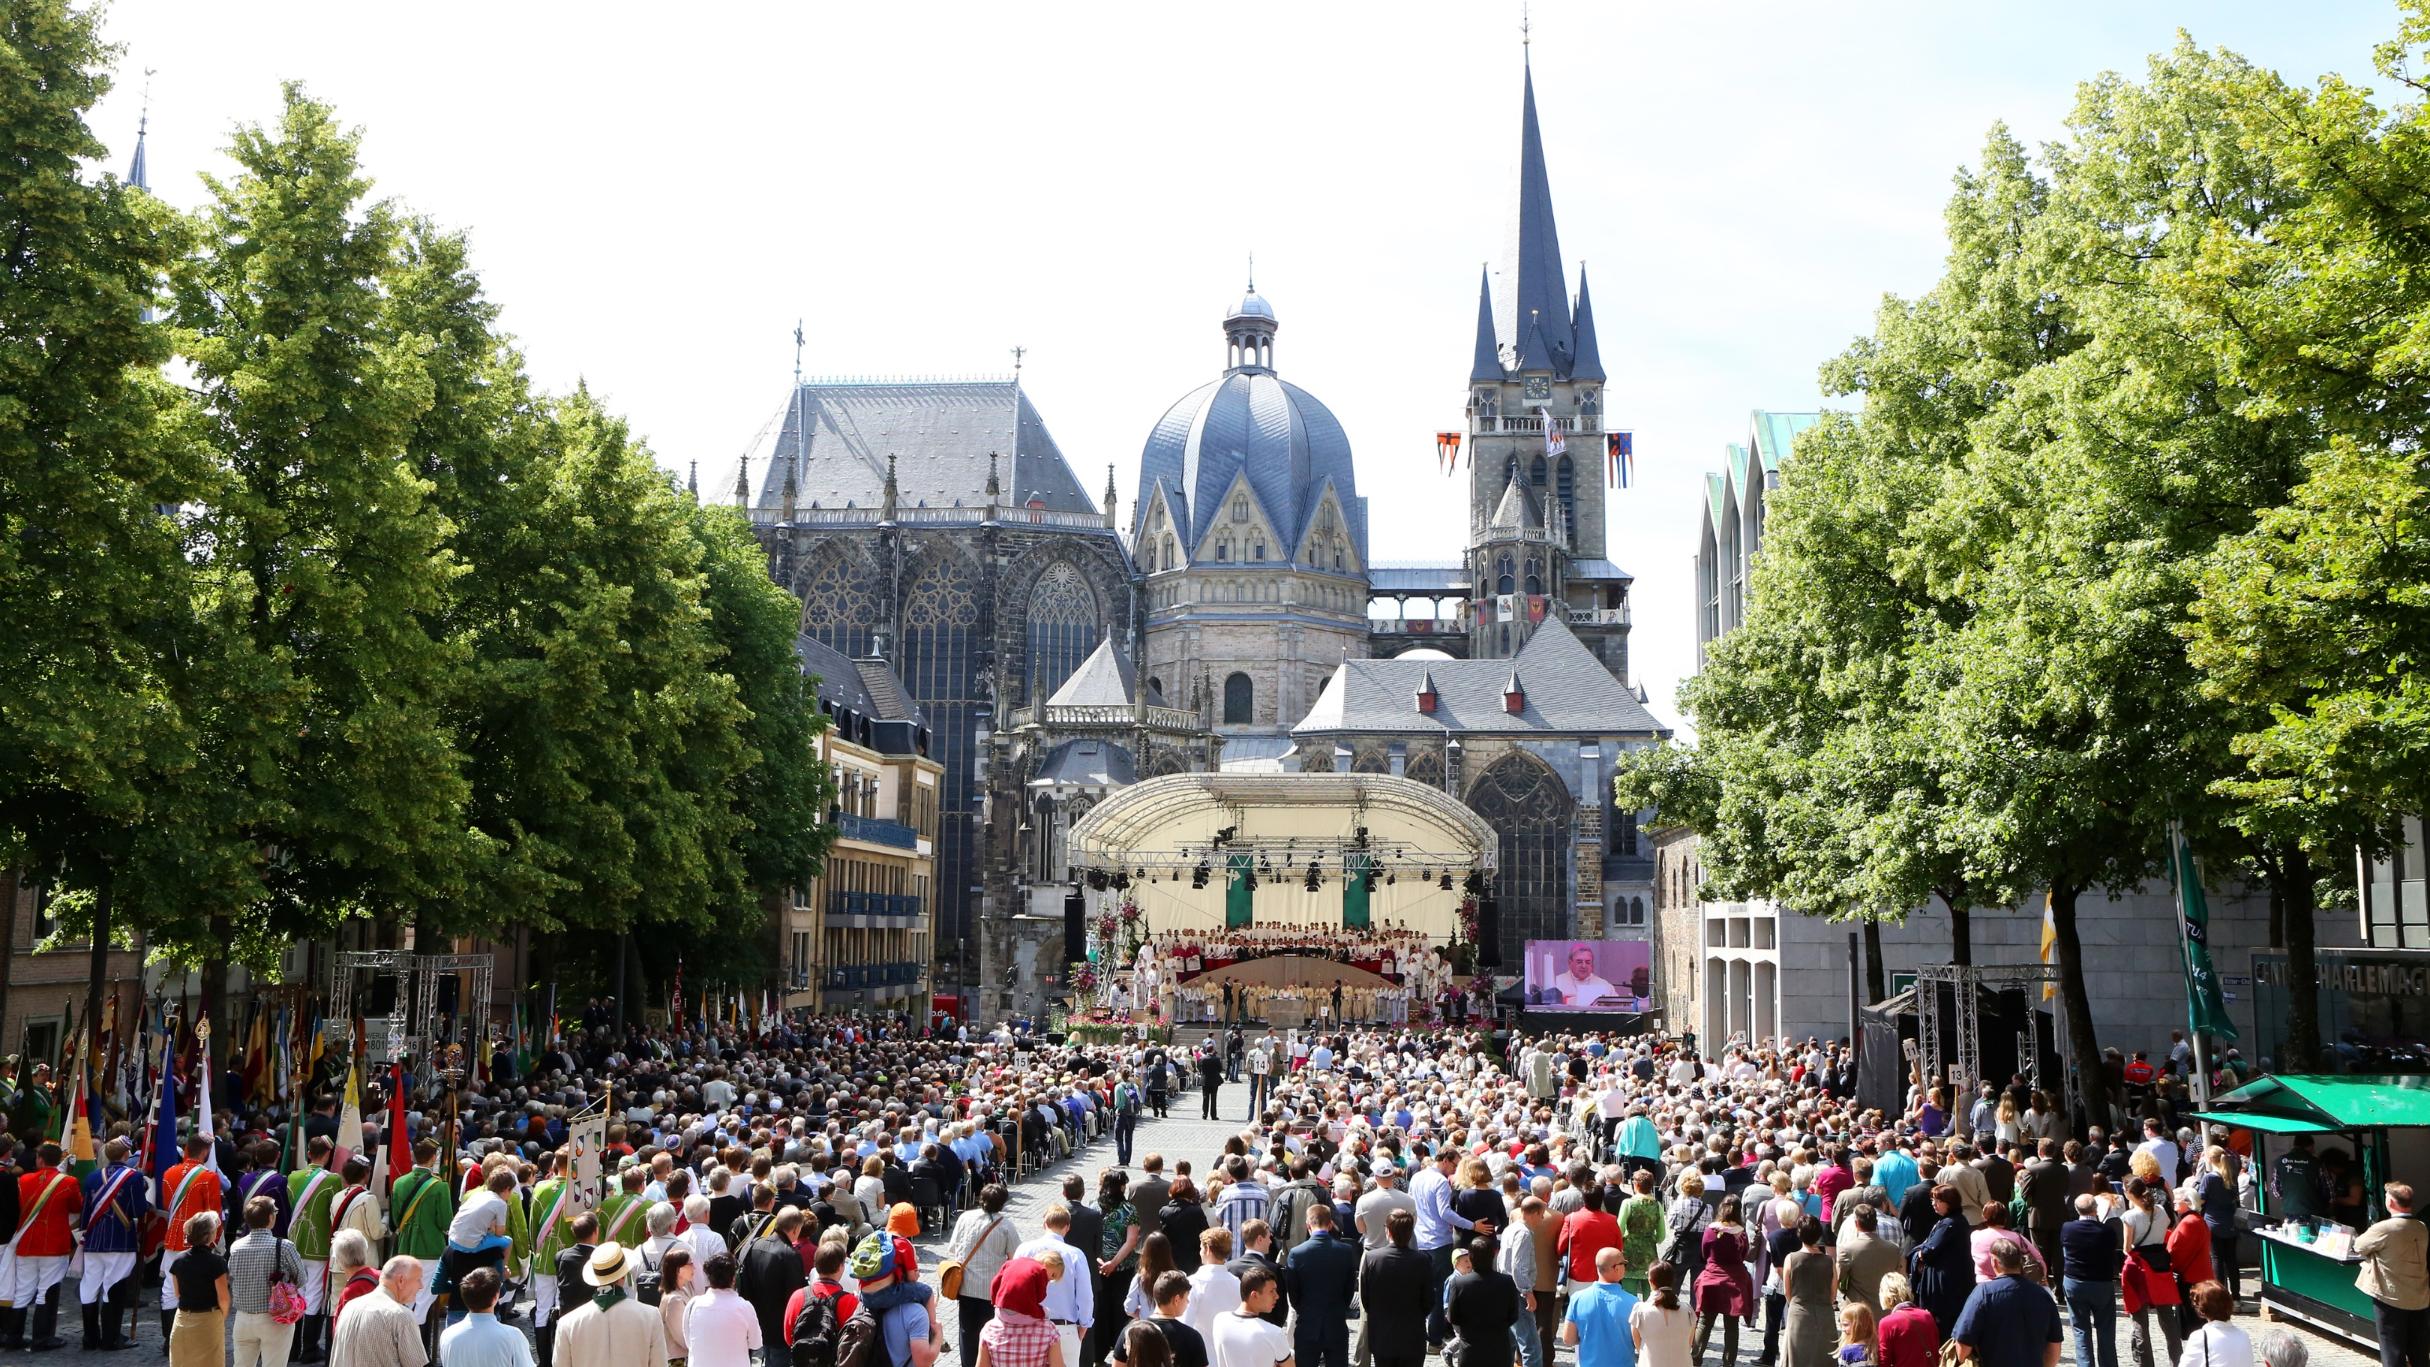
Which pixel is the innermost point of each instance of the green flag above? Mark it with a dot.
(2205, 1006)
(1237, 891)
(1354, 891)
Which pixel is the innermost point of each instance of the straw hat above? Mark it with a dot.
(609, 1265)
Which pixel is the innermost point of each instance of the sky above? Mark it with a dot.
(655, 195)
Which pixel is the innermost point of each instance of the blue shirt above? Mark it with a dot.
(480, 1341)
(1896, 1172)
(1601, 1313)
(2007, 1321)
(1435, 1218)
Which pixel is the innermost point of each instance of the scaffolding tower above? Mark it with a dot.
(1967, 982)
(407, 1031)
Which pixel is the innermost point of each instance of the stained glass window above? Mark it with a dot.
(840, 603)
(939, 666)
(1239, 699)
(1063, 628)
(1532, 815)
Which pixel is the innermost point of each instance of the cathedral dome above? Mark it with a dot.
(1252, 425)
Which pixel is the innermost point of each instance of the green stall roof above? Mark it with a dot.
(2310, 1103)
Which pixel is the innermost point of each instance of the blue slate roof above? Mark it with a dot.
(940, 435)
(1568, 692)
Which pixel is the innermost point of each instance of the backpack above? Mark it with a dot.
(1126, 1100)
(645, 1277)
(1291, 1209)
(816, 1330)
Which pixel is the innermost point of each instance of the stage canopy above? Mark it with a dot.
(1193, 846)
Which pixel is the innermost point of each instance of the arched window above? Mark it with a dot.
(1155, 690)
(1426, 766)
(1535, 472)
(1531, 814)
(1505, 576)
(1223, 550)
(1261, 551)
(1565, 487)
(1239, 699)
(1240, 510)
(1063, 618)
(1171, 559)
(1535, 575)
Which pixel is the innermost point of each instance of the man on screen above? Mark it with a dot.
(1580, 985)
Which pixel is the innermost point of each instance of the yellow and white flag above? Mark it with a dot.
(2050, 946)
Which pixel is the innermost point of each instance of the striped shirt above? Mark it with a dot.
(1240, 1203)
(1016, 1340)
(250, 1263)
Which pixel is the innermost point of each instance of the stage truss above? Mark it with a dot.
(1962, 980)
(405, 1032)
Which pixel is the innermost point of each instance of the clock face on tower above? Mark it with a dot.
(1539, 387)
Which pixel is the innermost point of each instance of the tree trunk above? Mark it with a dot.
(1961, 932)
(1876, 973)
(15, 886)
(2083, 1045)
(99, 973)
(2295, 892)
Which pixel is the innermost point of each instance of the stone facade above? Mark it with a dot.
(46, 987)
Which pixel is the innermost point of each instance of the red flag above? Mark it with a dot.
(400, 1149)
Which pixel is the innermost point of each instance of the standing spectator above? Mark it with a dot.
(1129, 1103)
(1518, 1262)
(1183, 1346)
(2147, 1281)
(1659, 1328)
(1321, 1280)
(2189, 1255)
(765, 1277)
(200, 1338)
(1478, 1204)
(253, 1263)
(676, 1287)
(613, 1329)
(1437, 1225)
(1117, 1256)
(2393, 1276)
(478, 1340)
(2219, 1343)
(378, 1330)
(1641, 1225)
(2043, 1184)
(1018, 1334)
(1482, 1306)
(2089, 1262)
(2008, 1321)
(1724, 1291)
(721, 1328)
(1865, 1258)
(1807, 1275)
(1941, 1265)
(1184, 1221)
(1210, 1081)
(1597, 1320)
(1392, 1280)
(982, 1243)
(1244, 1338)
(1906, 1332)
(353, 1272)
(1071, 1303)
(2215, 1191)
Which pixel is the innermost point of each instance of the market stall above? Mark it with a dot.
(2323, 1146)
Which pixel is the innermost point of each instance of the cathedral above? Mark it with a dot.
(1235, 621)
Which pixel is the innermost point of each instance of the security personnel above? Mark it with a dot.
(186, 1190)
(311, 1193)
(555, 1202)
(421, 1205)
(52, 1203)
(115, 1204)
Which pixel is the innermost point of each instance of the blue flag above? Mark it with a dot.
(162, 1152)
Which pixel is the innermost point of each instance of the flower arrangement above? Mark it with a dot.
(1081, 977)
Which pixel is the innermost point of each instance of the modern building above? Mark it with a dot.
(1235, 622)
(859, 936)
(1757, 969)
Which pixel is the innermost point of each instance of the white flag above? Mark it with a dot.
(350, 1120)
(587, 1135)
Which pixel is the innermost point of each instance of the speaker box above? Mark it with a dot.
(1075, 927)
(1489, 934)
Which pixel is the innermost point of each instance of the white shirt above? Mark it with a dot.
(483, 1213)
(1213, 1292)
(1246, 1341)
(721, 1329)
(1576, 991)
(717, 1093)
(1067, 1296)
(2166, 1151)
(2218, 1345)
(704, 1242)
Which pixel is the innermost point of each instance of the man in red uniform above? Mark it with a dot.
(186, 1191)
(51, 1203)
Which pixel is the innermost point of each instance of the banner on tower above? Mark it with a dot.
(1620, 448)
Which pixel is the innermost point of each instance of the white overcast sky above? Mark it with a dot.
(655, 193)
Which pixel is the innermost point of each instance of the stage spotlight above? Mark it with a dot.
(1367, 881)
(1123, 880)
(1475, 883)
(1248, 881)
(1315, 877)
(1198, 875)
(1446, 884)
(1391, 878)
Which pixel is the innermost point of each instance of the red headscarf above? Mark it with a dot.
(1020, 1287)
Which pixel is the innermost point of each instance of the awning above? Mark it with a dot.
(2313, 1103)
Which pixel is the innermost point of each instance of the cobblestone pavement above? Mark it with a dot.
(1181, 1135)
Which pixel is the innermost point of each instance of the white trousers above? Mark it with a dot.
(31, 1277)
(544, 1299)
(261, 1341)
(168, 1278)
(423, 1298)
(316, 1284)
(103, 1271)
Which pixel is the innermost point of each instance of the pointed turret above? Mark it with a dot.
(1535, 289)
(137, 176)
(1536, 351)
(1589, 362)
(1517, 512)
(1488, 362)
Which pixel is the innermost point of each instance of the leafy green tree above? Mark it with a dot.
(94, 448)
(320, 564)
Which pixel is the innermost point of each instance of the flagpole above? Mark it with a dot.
(2185, 961)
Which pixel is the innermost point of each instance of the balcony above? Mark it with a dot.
(864, 977)
(1102, 715)
(876, 831)
(1481, 426)
(872, 910)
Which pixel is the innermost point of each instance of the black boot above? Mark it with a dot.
(544, 1346)
(113, 1318)
(92, 1327)
(168, 1321)
(310, 1338)
(46, 1324)
(12, 1329)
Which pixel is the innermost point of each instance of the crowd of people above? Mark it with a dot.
(1395, 975)
(1387, 1194)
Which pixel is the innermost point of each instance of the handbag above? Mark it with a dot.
(949, 1273)
(286, 1304)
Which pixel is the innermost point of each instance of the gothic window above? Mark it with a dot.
(840, 604)
(1565, 486)
(1260, 553)
(1171, 559)
(1370, 762)
(1624, 833)
(1425, 767)
(1240, 510)
(1063, 628)
(1239, 699)
(1535, 575)
(1535, 472)
(1504, 576)
(940, 667)
(1531, 814)
(1505, 647)
(1223, 550)
(1337, 557)
(1155, 690)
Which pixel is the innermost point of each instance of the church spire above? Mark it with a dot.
(1488, 362)
(1588, 364)
(137, 175)
(1536, 296)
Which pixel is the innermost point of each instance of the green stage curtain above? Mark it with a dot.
(1237, 892)
(1354, 891)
